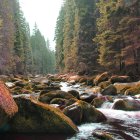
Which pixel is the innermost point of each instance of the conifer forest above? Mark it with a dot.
(84, 84)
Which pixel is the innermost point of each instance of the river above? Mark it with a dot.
(122, 125)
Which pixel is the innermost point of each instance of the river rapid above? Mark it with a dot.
(122, 125)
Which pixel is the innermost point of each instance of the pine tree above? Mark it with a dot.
(118, 29)
(6, 36)
(21, 50)
(42, 59)
(74, 41)
(59, 38)
(68, 35)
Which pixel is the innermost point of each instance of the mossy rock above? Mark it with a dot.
(132, 91)
(59, 101)
(83, 80)
(74, 112)
(25, 91)
(87, 97)
(29, 86)
(120, 105)
(95, 90)
(74, 93)
(110, 90)
(120, 79)
(90, 113)
(36, 117)
(20, 83)
(104, 84)
(121, 86)
(8, 106)
(39, 87)
(85, 112)
(123, 90)
(102, 135)
(127, 105)
(98, 101)
(46, 98)
(71, 101)
(90, 81)
(16, 90)
(100, 78)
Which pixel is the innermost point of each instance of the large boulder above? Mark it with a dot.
(133, 91)
(46, 98)
(59, 101)
(41, 80)
(87, 97)
(95, 90)
(74, 93)
(74, 112)
(90, 81)
(110, 90)
(104, 84)
(73, 79)
(8, 106)
(98, 101)
(120, 79)
(81, 112)
(83, 79)
(122, 92)
(127, 105)
(20, 83)
(121, 86)
(36, 117)
(100, 78)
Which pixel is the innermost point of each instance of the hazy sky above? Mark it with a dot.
(44, 13)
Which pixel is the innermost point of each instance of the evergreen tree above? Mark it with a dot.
(6, 36)
(41, 53)
(74, 31)
(59, 38)
(118, 28)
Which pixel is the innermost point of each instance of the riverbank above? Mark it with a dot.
(101, 106)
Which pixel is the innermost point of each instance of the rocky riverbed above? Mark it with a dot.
(71, 106)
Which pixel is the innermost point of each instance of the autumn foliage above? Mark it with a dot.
(7, 103)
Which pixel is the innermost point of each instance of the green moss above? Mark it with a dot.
(37, 117)
(74, 93)
(132, 91)
(127, 105)
(124, 90)
(97, 102)
(104, 84)
(90, 113)
(100, 78)
(59, 101)
(46, 98)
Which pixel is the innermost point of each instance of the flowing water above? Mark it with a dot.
(122, 125)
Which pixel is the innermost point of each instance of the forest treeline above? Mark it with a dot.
(98, 35)
(20, 52)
